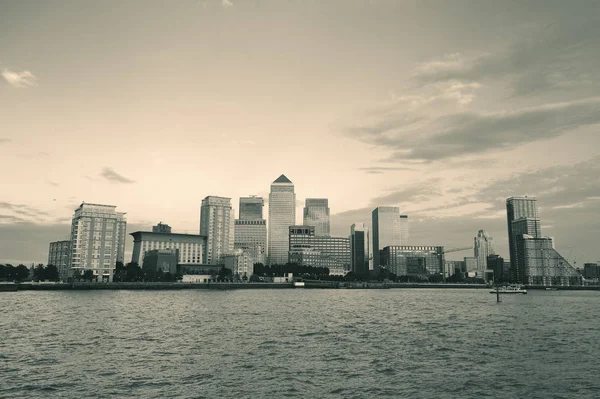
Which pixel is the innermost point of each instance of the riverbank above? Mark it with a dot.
(311, 284)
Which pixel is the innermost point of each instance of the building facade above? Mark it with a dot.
(240, 262)
(403, 229)
(59, 255)
(540, 264)
(483, 246)
(190, 247)
(217, 225)
(496, 263)
(414, 261)
(591, 271)
(161, 260)
(250, 230)
(161, 228)
(359, 255)
(316, 213)
(386, 230)
(306, 249)
(97, 239)
(453, 267)
(282, 215)
(522, 218)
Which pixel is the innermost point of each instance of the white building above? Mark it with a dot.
(216, 224)
(97, 239)
(240, 263)
(483, 246)
(282, 215)
(191, 246)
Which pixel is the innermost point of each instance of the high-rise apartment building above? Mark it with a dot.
(483, 246)
(540, 264)
(217, 225)
(386, 230)
(359, 249)
(59, 255)
(316, 213)
(97, 239)
(282, 215)
(522, 218)
(161, 228)
(250, 231)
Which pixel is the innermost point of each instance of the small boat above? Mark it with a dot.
(510, 289)
(299, 284)
(551, 289)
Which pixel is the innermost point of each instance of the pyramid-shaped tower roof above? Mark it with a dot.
(282, 179)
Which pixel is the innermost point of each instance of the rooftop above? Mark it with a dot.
(282, 179)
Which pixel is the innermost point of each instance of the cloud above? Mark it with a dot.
(4, 140)
(113, 177)
(19, 79)
(227, 3)
(470, 132)
(383, 169)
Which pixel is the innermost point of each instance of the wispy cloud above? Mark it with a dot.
(227, 3)
(470, 132)
(114, 177)
(4, 140)
(383, 169)
(19, 79)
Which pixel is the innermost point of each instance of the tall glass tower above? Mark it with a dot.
(251, 229)
(282, 215)
(387, 230)
(483, 246)
(316, 213)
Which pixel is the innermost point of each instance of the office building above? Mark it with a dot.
(404, 230)
(217, 225)
(522, 218)
(591, 271)
(414, 261)
(240, 262)
(540, 264)
(97, 240)
(359, 256)
(306, 249)
(161, 228)
(496, 264)
(386, 230)
(250, 230)
(282, 215)
(59, 255)
(471, 265)
(190, 247)
(452, 267)
(483, 246)
(316, 213)
(161, 260)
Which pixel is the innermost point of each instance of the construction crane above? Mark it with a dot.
(456, 250)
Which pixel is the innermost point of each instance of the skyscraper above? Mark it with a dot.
(359, 248)
(386, 230)
(522, 218)
(316, 213)
(216, 224)
(251, 229)
(483, 246)
(97, 239)
(282, 215)
(541, 264)
(404, 229)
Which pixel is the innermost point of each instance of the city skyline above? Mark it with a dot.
(463, 117)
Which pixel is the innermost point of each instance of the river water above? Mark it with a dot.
(404, 343)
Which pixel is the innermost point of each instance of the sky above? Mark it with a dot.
(444, 109)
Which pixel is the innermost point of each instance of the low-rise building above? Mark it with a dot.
(190, 246)
(409, 260)
(161, 260)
